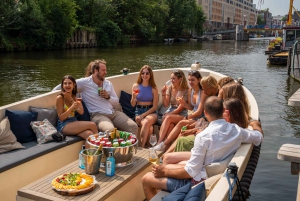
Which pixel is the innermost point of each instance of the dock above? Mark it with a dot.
(294, 100)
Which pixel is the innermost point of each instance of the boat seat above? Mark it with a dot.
(31, 151)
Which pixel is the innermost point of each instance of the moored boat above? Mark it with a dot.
(279, 58)
(13, 179)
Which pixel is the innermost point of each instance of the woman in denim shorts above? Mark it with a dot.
(66, 106)
(145, 98)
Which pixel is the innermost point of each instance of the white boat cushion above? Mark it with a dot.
(8, 140)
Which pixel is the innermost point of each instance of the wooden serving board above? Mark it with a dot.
(75, 192)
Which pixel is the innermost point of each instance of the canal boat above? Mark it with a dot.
(15, 175)
(279, 58)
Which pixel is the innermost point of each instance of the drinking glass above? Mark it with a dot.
(168, 83)
(136, 89)
(78, 98)
(179, 96)
(153, 140)
(153, 158)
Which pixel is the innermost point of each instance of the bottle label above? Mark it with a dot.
(108, 167)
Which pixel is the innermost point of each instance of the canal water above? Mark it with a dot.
(27, 74)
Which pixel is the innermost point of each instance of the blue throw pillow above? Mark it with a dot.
(20, 124)
(126, 105)
(85, 116)
(178, 194)
(197, 193)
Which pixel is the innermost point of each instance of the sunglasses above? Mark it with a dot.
(145, 73)
(195, 73)
(177, 73)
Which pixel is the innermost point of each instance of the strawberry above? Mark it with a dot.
(58, 180)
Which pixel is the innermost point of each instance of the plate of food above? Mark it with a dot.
(74, 184)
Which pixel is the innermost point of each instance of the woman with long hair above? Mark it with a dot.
(66, 106)
(175, 111)
(145, 98)
(196, 99)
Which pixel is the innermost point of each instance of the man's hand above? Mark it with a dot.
(158, 171)
(256, 126)
(104, 94)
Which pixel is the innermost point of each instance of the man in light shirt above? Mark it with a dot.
(99, 96)
(216, 142)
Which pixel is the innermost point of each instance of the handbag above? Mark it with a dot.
(58, 136)
(43, 130)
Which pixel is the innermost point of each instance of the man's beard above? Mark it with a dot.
(102, 78)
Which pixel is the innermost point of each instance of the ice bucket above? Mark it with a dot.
(91, 160)
(122, 155)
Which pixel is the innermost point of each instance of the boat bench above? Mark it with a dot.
(31, 151)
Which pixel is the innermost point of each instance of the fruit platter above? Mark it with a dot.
(73, 184)
(121, 143)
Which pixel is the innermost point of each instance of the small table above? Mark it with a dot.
(125, 185)
(291, 152)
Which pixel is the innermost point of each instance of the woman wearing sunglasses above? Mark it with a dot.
(175, 112)
(145, 98)
(196, 99)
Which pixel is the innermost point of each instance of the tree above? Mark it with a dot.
(260, 21)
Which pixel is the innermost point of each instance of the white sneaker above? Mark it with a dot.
(160, 147)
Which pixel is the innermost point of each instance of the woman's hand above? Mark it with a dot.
(188, 132)
(163, 90)
(138, 119)
(182, 102)
(67, 95)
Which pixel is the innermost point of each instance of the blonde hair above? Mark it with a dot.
(179, 74)
(225, 80)
(210, 81)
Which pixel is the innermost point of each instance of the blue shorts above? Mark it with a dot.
(139, 111)
(172, 108)
(174, 184)
(61, 124)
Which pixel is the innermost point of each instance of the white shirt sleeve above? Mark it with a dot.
(251, 136)
(114, 100)
(195, 164)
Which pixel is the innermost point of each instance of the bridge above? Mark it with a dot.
(249, 28)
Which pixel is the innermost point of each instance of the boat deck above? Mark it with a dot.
(107, 188)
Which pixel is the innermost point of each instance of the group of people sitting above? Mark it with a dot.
(216, 115)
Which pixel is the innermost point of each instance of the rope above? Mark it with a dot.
(231, 186)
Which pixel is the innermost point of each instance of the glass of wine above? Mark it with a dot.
(168, 83)
(153, 140)
(179, 96)
(78, 98)
(153, 158)
(136, 89)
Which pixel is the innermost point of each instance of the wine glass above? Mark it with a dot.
(78, 98)
(179, 96)
(153, 140)
(153, 158)
(168, 83)
(136, 89)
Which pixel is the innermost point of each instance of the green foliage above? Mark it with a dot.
(108, 33)
(260, 21)
(48, 24)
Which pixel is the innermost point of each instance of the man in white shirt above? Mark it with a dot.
(99, 97)
(215, 143)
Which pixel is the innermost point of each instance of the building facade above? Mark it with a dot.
(225, 14)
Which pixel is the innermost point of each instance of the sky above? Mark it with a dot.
(277, 7)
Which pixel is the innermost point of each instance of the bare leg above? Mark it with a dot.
(151, 184)
(172, 147)
(146, 123)
(176, 131)
(81, 128)
(176, 157)
(170, 119)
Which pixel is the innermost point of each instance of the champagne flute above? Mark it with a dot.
(179, 96)
(168, 83)
(136, 89)
(153, 139)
